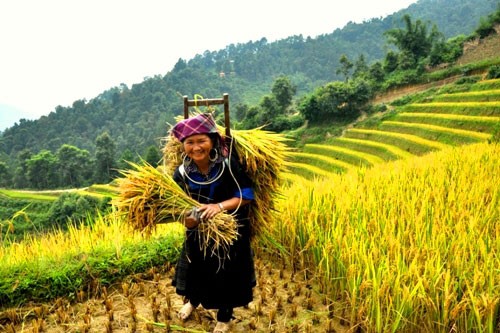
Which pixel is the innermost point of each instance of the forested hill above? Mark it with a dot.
(136, 117)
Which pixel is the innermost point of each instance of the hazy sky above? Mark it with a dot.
(54, 52)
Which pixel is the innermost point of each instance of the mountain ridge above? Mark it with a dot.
(137, 117)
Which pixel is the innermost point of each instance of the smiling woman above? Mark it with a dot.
(217, 181)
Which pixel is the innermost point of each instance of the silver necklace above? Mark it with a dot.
(210, 181)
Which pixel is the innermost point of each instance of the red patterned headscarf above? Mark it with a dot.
(203, 123)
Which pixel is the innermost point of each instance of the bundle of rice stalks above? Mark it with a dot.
(148, 196)
(262, 153)
(172, 152)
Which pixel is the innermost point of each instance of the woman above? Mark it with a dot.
(219, 183)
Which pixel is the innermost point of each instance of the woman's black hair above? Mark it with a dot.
(216, 144)
(215, 140)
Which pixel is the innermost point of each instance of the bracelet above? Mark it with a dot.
(221, 207)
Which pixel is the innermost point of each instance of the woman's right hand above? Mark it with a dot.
(192, 219)
(190, 222)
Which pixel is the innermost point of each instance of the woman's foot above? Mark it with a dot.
(222, 327)
(185, 311)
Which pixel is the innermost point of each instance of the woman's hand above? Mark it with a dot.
(191, 222)
(210, 210)
(192, 219)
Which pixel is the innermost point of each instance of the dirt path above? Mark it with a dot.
(412, 89)
(283, 302)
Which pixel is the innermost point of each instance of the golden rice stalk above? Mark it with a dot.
(148, 196)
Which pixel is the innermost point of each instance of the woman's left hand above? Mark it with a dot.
(208, 211)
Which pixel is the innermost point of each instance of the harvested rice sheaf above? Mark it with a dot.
(263, 154)
(149, 196)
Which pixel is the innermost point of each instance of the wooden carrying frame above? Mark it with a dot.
(210, 101)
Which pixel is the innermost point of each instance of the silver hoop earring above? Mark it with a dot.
(186, 160)
(213, 159)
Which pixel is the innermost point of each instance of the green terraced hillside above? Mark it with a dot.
(436, 122)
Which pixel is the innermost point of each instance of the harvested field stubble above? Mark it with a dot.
(284, 301)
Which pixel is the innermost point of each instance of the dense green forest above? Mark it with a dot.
(284, 83)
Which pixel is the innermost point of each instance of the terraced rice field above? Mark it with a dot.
(447, 119)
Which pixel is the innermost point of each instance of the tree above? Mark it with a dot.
(42, 170)
(273, 109)
(240, 111)
(345, 67)
(252, 118)
(414, 41)
(390, 62)
(105, 169)
(406, 60)
(74, 166)
(336, 100)
(269, 109)
(75, 207)
(21, 172)
(486, 26)
(361, 69)
(153, 155)
(283, 90)
(310, 109)
(4, 174)
(377, 73)
(126, 157)
(180, 65)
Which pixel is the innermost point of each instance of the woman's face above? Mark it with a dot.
(198, 147)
